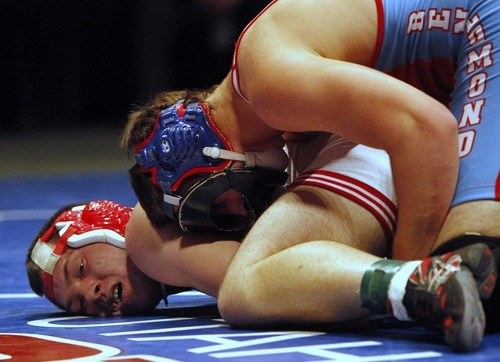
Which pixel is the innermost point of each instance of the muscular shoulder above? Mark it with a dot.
(172, 257)
(138, 232)
(143, 239)
(331, 28)
(156, 252)
(295, 32)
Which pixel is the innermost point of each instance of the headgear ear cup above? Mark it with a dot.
(101, 221)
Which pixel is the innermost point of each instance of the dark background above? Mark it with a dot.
(72, 64)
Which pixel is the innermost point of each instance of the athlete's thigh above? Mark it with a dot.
(481, 217)
(310, 214)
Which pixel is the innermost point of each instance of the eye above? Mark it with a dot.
(82, 268)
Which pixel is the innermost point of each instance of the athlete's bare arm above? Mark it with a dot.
(173, 257)
(295, 82)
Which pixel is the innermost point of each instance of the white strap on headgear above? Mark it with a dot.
(216, 153)
(172, 200)
(274, 158)
(43, 257)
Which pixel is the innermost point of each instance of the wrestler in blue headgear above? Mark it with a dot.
(185, 142)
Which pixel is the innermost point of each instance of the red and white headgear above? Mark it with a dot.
(95, 222)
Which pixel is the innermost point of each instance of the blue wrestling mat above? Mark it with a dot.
(189, 329)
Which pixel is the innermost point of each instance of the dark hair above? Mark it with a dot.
(140, 124)
(35, 274)
(149, 195)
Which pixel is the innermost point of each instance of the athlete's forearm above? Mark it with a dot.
(425, 179)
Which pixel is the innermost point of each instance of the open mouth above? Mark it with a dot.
(117, 293)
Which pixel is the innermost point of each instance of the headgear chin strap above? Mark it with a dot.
(96, 222)
(185, 141)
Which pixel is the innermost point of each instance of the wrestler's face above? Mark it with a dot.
(100, 280)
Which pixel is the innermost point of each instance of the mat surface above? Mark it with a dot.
(189, 329)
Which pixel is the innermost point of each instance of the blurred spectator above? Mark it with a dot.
(72, 63)
(188, 43)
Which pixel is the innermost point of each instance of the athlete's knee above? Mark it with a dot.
(233, 305)
(226, 309)
(243, 302)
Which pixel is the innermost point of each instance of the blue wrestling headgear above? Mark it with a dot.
(185, 142)
(176, 145)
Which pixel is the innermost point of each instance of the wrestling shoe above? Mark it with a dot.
(479, 259)
(442, 293)
(490, 304)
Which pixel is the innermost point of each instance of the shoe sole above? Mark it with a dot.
(482, 265)
(466, 334)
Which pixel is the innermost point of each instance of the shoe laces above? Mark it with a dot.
(434, 272)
